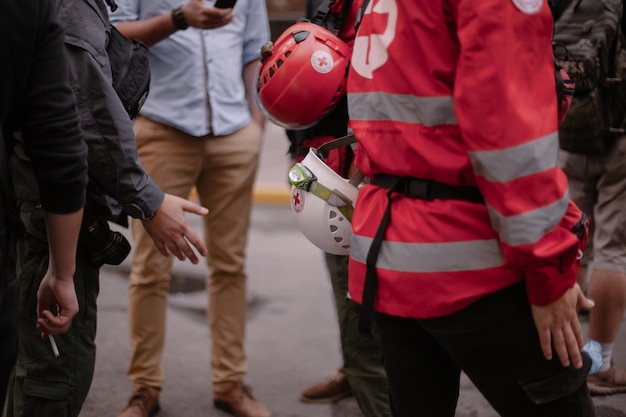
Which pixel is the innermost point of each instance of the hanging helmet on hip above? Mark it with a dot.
(302, 76)
(322, 202)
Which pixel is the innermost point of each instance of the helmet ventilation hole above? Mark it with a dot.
(300, 35)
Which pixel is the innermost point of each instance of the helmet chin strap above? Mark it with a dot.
(358, 176)
(334, 198)
(356, 179)
(336, 143)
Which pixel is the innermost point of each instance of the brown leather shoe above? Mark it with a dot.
(238, 401)
(331, 389)
(142, 403)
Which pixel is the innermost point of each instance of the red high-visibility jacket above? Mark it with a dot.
(461, 92)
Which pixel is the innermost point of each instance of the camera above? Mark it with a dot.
(101, 245)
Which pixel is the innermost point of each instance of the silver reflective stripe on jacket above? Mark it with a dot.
(472, 255)
(429, 111)
(529, 227)
(518, 161)
(514, 163)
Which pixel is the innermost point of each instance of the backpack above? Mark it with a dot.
(130, 69)
(588, 45)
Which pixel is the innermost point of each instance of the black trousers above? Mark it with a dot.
(495, 343)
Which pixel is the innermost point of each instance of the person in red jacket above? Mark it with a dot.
(465, 243)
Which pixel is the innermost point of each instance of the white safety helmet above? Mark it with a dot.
(322, 202)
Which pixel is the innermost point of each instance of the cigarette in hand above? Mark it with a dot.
(55, 348)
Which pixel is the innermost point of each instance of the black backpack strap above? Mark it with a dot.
(360, 14)
(332, 21)
(322, 12)
(112, 5)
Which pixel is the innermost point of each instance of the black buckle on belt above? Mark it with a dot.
(427, 189)
(414, 188)
(410, 187)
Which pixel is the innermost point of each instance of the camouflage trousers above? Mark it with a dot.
(362, 357)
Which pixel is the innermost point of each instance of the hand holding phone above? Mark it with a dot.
(224, 4)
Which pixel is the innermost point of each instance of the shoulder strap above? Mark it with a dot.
(322, 12)
(332, 21)
(112, 5)
(360, 14)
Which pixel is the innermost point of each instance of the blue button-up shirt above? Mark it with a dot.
(196, 81)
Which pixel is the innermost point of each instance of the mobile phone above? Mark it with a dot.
(225, 4)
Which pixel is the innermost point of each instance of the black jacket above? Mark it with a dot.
(118, 183)
(36, 101)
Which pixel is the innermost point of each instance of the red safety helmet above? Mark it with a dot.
(302, 75)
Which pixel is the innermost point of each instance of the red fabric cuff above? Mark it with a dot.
(546, 285)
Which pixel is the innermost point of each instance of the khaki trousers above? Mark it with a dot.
(223, 169)
(597, 184)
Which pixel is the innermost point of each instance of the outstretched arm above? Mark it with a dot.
(109, 135)
(171, 232)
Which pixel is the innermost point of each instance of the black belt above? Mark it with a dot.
(412, 188)
(427, 189)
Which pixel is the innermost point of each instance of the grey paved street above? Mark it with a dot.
(292, 337)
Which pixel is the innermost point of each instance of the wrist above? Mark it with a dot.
(178, 18)
(61, 274)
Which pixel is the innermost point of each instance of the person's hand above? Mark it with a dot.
(60, 293)
(199, 15)
(558, 326)
(171, 232)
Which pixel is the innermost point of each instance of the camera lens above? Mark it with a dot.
(102, 245)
